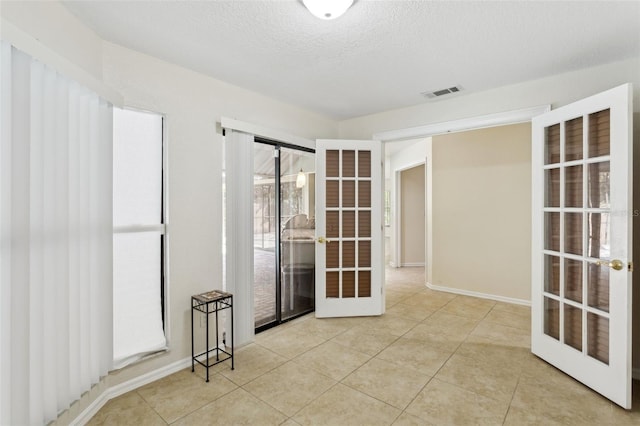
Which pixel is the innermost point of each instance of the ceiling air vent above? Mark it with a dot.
(442, 92)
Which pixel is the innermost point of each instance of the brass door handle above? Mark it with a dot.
(323, 240)
(616, 264)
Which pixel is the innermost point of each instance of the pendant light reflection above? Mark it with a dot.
(327, 9)
(301, 180)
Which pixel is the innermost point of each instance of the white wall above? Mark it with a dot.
(556, 90)
(406, 158)
(57, 28)
(193, 103)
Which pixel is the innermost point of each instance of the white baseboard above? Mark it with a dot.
(413, 265)
(128, 386)
(480, 295)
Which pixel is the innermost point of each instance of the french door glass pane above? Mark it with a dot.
(598, 287)
(574, 187)
(552, 231)
(552, 318)
(348, 197)
(573, 326)
(599, 134)
(552, 144)
(599, 186)
(573, 140)
(552, 187)
(598, 337)
(552, 274)
(573, 280)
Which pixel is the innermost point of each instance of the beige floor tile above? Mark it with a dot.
(563, 400)
(251, 361)
(503, 334)
(236, 408)
(342, 405)
(325, 328)
(495, 354)
(365, 340)
(129, 408)
(440, 403)
(519, 417)
(468, 307)
(473, 375)
(290, 343)
(444, 324)
(415, 354)
(290, 422)
(394, 384)
(407, 419)
(624, 417)
(511, 319)
(393, 297)
(333, 360)
(444, 342)
(429, 300)
(512, 307)
(289, 387)
(403, 310)
(389, 324)
(406, 286)
(181, 393)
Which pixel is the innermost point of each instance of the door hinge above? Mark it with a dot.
(630, 266)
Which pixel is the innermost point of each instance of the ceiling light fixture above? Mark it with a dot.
(327, 9)
(301, 180)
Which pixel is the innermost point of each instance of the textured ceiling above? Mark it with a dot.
(380, 55)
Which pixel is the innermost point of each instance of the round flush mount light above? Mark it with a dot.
(327, 9)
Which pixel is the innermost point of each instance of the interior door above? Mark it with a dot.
(349, 219)
(581, 265)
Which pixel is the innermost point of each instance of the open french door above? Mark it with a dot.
(349, 249)
(581, 253)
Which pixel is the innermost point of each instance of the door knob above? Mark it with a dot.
(616, 264)
(323, 240)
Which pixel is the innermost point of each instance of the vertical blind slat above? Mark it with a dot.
(55, 272)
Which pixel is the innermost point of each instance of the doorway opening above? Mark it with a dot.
(283, 232)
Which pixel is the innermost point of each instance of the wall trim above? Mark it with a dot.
(495, 297)
(413, 264)
(471, 123)
(129, 385)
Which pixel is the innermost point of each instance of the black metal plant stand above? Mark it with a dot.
(211, 302)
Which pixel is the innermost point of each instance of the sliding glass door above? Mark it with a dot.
(284, 232)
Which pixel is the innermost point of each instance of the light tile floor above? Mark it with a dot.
(432, 359)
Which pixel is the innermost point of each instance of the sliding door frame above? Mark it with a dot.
(278, 209)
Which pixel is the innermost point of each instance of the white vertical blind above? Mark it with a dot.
(239, 231)
(55, 240)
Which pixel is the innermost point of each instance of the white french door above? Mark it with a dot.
(581, 253)
(349, 250)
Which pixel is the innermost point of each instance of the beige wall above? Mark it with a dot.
(482, 211)
(412, 212)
